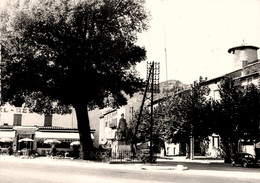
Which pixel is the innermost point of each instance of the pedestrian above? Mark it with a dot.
(53, 150)
(10, 151)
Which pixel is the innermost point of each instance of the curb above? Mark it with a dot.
(178, 167)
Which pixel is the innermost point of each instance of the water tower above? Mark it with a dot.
(243, 55)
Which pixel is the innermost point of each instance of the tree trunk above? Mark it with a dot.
(228, 151)
(187, 150)
(191, 147)
(84, 130)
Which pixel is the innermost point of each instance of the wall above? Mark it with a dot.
(94, 124)
(247, 54)
(109, 118)
(172, 149)
(31, 119)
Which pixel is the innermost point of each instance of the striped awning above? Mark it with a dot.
(63, 136)
(9, 134)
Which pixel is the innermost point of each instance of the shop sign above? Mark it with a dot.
(21, 130)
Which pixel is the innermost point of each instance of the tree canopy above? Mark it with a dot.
(178, 117)
(62, 53)
(236, 114)
(72, 52)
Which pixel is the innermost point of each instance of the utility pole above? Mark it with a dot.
(154, 67)
(151, 128)
(152, 86)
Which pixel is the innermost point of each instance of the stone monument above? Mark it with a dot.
(121, 142)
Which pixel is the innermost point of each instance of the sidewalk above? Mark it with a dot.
(144, 167)
(197, 159)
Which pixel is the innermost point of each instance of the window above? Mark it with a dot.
(48, 120)
(17, 120)
(249, 80)
(113, 123)
(216, 95)
(131, 110)
(215, 141)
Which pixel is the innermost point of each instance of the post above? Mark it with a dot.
(191, 147)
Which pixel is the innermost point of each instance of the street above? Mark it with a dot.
(13, 170)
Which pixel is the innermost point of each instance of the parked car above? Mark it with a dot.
(244, 159)
(258, 163)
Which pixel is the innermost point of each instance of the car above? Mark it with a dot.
(244, 159)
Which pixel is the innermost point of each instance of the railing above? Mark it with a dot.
(123, 156)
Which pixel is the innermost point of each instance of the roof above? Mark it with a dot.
(58, 129)
(233, 74)
(6, 127)
(248, 75)
(242, 47)
(107, 112)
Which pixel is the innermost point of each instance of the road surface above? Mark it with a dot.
(14, 170)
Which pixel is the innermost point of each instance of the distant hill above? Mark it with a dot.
(172, 86)
(166, 88)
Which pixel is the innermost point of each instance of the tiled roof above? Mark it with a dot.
(58, 128)
(6, 127)
(46, 128)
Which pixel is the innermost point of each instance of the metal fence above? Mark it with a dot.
(123, 156)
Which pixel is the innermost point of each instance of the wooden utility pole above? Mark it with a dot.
(151, 128)
(152, 86)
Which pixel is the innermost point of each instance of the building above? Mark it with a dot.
(17, 123)
(109, 118)
(246, 68)
(246, 71)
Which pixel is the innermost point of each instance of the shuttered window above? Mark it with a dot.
(17, 120)
(48, 120)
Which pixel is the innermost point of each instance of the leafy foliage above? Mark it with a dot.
(236, 114)
(251, 113)
(60, 54)
(178, 117)
(193, 111)
(73, 52)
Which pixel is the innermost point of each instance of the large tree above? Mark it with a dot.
(229, 112)
(66, 53)
(250, 126)
(193, 113)
(179, 116)
(237, 114)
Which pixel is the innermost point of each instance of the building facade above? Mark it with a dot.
(17, 123)
(246, 71)
(109, 119)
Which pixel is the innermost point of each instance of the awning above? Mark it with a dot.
(58, 135)
(10, 134)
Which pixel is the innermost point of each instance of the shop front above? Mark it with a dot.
(61, 138)
(24, 137)
(7, 138)
(62, 141)
(38, 139)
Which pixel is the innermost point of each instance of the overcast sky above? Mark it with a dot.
(197, 35)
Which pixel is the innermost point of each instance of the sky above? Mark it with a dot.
(196, 35)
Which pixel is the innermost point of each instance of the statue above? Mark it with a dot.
(121, 132)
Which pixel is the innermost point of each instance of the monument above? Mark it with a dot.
(122, 131)
(121, 142)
